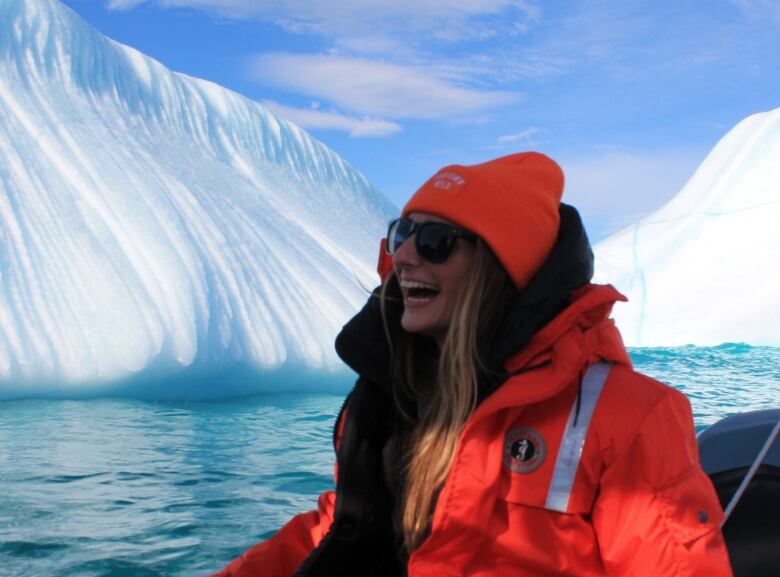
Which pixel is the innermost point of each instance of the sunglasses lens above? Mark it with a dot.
(434, 241)
(397, 233)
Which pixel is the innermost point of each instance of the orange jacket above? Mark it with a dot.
(636, 504)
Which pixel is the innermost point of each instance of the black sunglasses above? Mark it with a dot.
(433, 240)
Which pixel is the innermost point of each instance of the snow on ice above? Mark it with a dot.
(155, 225)
(704, 269)
(163, 237)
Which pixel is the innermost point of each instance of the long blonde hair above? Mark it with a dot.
(453, 396)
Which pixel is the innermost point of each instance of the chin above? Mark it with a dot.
(412, 323)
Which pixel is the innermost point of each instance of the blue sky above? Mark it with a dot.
(629, 96)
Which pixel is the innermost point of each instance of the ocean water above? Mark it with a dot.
(123, 488)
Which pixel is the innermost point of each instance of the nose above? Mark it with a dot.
(406, 255)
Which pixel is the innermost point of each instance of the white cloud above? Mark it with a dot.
(124, 4)
(616, 189)
(445, 20)
(313, 118)
(516, 141)
(522, 137)
(374, 88)
(385, 62)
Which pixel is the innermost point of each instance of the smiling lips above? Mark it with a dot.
(416, 292)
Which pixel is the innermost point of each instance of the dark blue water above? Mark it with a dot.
(124, 488)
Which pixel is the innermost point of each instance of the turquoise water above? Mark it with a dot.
(121, 488)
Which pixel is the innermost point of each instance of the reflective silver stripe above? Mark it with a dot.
(574, 437)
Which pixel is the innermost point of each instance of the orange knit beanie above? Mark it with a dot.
(510, 202)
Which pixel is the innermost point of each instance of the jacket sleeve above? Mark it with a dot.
(281, 555)
(658, 514)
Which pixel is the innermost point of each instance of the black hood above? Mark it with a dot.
(362, 343)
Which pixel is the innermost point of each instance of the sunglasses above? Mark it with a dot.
(433, 240)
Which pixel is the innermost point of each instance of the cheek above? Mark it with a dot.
(450, 296)
(455, 282)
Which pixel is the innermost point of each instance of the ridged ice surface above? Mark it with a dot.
(154, 225)
(705, 268)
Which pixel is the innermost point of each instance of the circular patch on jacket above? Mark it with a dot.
(524, 450)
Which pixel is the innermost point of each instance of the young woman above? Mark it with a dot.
(497, 427)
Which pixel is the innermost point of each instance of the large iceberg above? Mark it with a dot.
(704, 269)
(162, 236)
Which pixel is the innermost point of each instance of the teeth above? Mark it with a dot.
(411, 284)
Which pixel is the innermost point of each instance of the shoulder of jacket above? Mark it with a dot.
(629, 387)
(632, 404)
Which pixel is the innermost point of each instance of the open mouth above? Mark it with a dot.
(418, 292)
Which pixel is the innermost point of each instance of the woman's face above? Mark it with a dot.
(430, 290)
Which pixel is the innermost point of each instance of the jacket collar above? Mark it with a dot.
(579, 336)
(586, 322)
